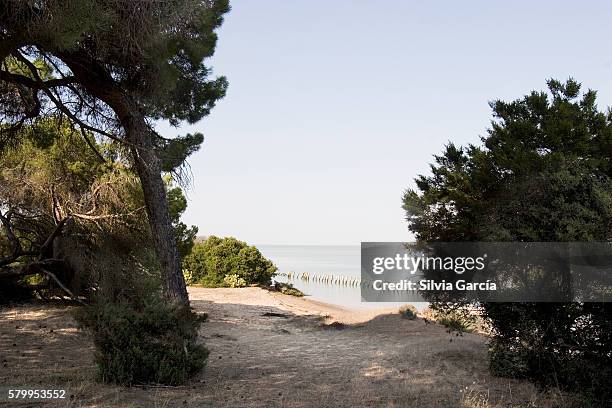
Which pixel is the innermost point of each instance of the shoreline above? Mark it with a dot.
(300, 306)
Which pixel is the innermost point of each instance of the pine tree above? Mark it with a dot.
(113, 68)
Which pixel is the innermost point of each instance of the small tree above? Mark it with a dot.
(211, 261)
(543, 174)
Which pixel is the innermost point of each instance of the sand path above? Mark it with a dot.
(271, 350)
(280, 349)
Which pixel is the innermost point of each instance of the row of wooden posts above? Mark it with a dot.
(329, 279)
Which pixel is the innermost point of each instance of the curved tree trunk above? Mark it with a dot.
(149, 171)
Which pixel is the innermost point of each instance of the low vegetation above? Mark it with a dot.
(288, 289)
(227, 262)
(151, 342)
(456, 320)
(408, 312)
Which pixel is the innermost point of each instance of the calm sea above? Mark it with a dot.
(321, 260)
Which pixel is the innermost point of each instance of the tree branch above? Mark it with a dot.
(91, 146)
(28, 269)
(39, 267)
(18, 79)
(39, 84)
(105, 216)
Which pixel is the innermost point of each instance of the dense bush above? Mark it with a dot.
(144, 342)
(215, 258)
(542, 174)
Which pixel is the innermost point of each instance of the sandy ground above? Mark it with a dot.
(271, 350)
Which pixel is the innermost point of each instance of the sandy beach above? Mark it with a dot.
(273, 350)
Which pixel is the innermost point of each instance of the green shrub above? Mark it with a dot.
(455, 324)
(288, 289)
(456, 320)
(213, 259)
(408, 312)
(150, 342)
(234, 281)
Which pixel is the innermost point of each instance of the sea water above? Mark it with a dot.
(340, 261)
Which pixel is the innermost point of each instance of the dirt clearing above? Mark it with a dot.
(271, 350)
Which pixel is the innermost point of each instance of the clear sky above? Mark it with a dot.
(335, 106)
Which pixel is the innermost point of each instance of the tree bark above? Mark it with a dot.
(148, 167)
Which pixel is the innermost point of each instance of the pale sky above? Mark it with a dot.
(335, 106)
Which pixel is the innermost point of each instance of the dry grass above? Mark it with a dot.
(270, 350)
